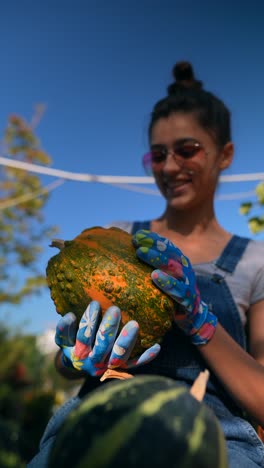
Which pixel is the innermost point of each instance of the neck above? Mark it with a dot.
(191, 222)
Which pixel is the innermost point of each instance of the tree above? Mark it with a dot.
(30, 391)
(23, 197)
(29, 385)
(251, 210)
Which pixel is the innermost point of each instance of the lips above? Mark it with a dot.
(176, 186)
(179, 183)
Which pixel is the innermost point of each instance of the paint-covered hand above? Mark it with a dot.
(173, 274)
(95, 347)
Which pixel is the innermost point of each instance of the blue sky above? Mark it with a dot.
(99, 67)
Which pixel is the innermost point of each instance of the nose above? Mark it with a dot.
(172, 163)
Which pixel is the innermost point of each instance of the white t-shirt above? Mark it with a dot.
(246, 283)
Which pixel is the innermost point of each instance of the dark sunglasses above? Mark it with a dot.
(185, 149)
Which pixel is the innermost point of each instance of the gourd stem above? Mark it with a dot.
(58, 243)
(115, 374)
(198, 388)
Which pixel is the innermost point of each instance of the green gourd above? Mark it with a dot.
(101, 264)
(145, 421)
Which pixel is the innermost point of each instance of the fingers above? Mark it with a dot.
(149, 239)
(161, 260)
(171, 286)
(147, 356)
(87, 330)
(106, 335)
(88, 325)
(124, 345)
(67, 356)
(66, 330)
(160, 253)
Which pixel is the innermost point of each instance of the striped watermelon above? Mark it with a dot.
(146, 421)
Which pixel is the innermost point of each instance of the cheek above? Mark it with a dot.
(205, 166)
(195, 166)
(158, 176)
(212, 170)
(159, 181)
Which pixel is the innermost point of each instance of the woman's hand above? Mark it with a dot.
(94, 348)
(175, 276)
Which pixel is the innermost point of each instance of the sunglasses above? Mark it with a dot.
(184, 148)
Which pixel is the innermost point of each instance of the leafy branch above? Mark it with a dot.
(255, 223)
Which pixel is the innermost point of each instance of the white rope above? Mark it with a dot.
(224, 196)
(236, 196)
(30, 196)
(122, 182)
(80, 177)
(136, 188)
(111, 179)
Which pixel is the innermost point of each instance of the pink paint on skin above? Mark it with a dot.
(117, 362)
(100, 365)
(98, 373)
(81, 350)
(207, 331)
(196, 306)
(175, 268)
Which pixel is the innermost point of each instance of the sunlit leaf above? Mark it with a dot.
(256, 224)
(245, 208)
(260, 192)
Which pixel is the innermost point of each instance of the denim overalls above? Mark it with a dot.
(180, 360)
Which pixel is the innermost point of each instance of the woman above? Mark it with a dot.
(215, 278)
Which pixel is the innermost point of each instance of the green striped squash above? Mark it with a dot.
(145, 421)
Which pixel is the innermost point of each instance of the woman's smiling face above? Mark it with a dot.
(186, 182)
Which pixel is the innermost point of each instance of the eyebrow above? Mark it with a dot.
(179, 140)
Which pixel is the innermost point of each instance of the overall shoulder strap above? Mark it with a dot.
(137, 225)
(232, 253)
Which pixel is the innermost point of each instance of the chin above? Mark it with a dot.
(179, 197)
(178, 204)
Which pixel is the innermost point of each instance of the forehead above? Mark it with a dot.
(168, 129)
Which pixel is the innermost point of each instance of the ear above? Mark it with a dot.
(226, 156)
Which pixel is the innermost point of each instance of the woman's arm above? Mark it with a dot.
(256, 331)
(240, 373)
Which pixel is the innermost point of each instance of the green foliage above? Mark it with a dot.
(30, 390)
(255, 221)
(245, 208)
(260, 193)
(22, 226)
(256, 224)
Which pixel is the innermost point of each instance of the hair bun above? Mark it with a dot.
(184, 78)
(183, 71)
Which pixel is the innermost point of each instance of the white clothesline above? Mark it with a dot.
(123, 182)
(111, 179)
(30, 196)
